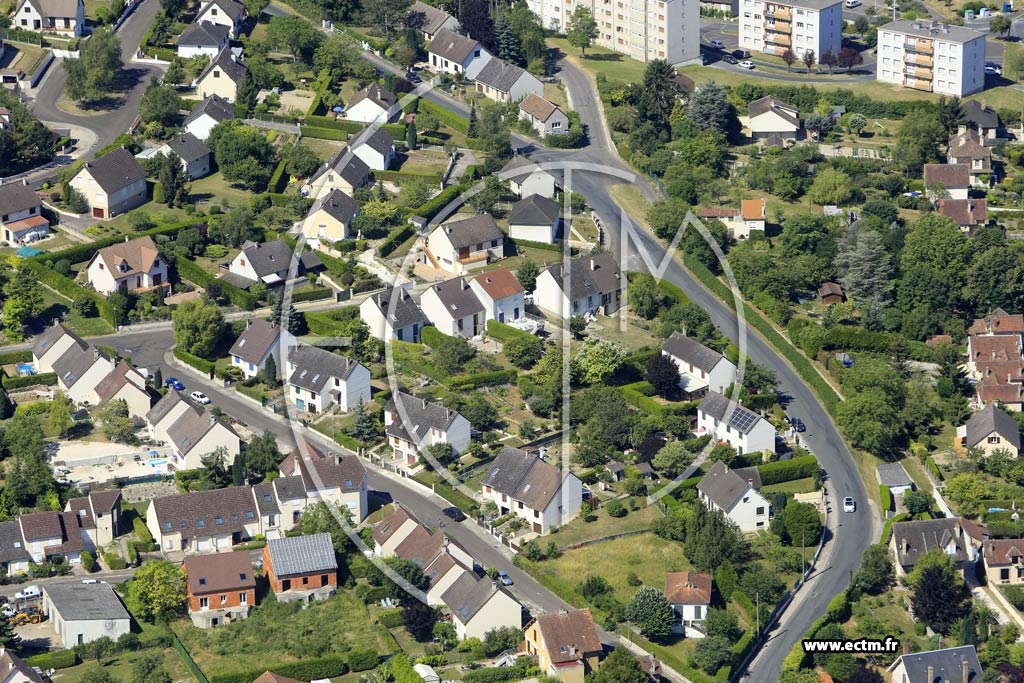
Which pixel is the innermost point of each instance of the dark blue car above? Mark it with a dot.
(173, 383)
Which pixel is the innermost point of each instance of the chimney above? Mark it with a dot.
(966, 671)
(95, 353)
(593, 264)
(906, 648)
(213, 419)
(494, 586)
(248, 323)
(931, 673)
(24, 181)
(424, 403)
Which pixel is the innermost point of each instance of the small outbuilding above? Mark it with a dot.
(84, 612)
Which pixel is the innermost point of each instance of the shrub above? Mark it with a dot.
(886, 497)
(200, 364)
(615, 508)
(362, 660)
(58, 659)
(44, 378)
(142, 531)
(307, 670)
(88, 561)
(114, 561)
(788, 470)
(390, 619)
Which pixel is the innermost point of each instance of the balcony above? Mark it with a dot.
(779, 14)
(922, 48)
(779, 39)
(918, 72)
(918, 60)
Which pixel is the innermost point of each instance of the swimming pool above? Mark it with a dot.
(26, 369)
(156, 462)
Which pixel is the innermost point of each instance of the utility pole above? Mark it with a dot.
(758, 598)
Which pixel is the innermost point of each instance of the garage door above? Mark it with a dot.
(204, 544)
(97, 213)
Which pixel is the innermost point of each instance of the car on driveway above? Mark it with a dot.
(729, 59)
(992, 71)
(174, 383)
(200, 398)
(747, 64)
(849, 505)
(717, 44)
(505, 579)
(454, 513)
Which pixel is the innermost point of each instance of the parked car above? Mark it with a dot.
(992, 71)
(996, 66)
(747, 64)
(8, 611)
(505, 579)
(798, 424)
(28, 592)
(741, 54)
(717, 44)
(729, 59)
(92, 581)
(200, 398)
(454, 513)
(850, 4)
(173, 383)
(849, 505)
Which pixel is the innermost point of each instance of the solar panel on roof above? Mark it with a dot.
(743, 419)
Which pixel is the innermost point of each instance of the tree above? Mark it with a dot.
(673, 459)
(497, 640)
(59, 419)
(1001, 25)
(658, 94)
(809, 60)
(644, 297)
(861, 25)
(149, 668)
(862, 674)
(160, 104)
(918, 141)
(92, 74)
(527, 273)
(301, 161)
(577, 325)
(939, 594)
(509, 46)
(951, 114)
(445, 634)
(476, 22)
(157, 590)
(114, 419)
(198, 327)
(865, 268)
(582, 29)
(88, 561)
(479, 411)
(651, 613)
(709, 108)
(788, 56)
(262, 454)
(831, 186)
(802, 523)
(849, 58)
(663, 374)
(322, 518)
(269, 374)
(711, 654)
(6, 405)
(596, 361)
(829, 59)
(365, 427)
(620, 666)
(917, 502)
(452, 353)
(419, 620)
(523, 351)
(473, 129)
(98, 676)
(856, 123)
(722, 622)
(173, 179)
(876, 573)
(295, 35)
(712, 539)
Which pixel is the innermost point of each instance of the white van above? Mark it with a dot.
(850, 4)
(28, 592)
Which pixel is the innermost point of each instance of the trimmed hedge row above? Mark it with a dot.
(541, 245)
(323, 133)
(431, 336)
(396, 238)
(236, 295)
(503, 332)
(57, 659)
(402, 175)
(933, 468)
(813, 338)
(641, 401)
(308, 670)
(887, 529)
(886, 494)
(325, 323)
(480, 379)
(448, 118)
(788, 470)
(432, 207)
(315, 294)
(16, 357)
(46, 378)
(69, 288)
(278, 181)
(84, 252)
(344, 125)
(200, 364)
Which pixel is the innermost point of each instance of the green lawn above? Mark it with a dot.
(277, 633)
(56, 306)
(213, 189)
(23, 56)
(445, 490)
(615, 66)
(805, 485)
(579, 530)
(541, 257)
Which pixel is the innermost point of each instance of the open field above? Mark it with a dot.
(213, 189)
(578, 530)
(614, 66)
(121, 665)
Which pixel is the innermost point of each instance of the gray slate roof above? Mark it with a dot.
(15, 197)
(297, 555)
(338, 205)
(979, 115)
(266, 502)
(385, 99)
(467, 596)
(588, 275)
(398, 308)
(458, 297)
(452, 46)
(267, 258)
(691, 351)
(50, 336)
(314, 367)
(163, 407)
(183, 512)
(204, 34)
(523, 477)
(75, 362)
(422, 416)
(426, 18)
(256, 339)
(12, 545)
(946, 665)
(914, 539)
(992, 419)
(770, 104)
(116, 170)
(379, 141)
(467, 232)
(225, 59)
(214, 106)
(232, 8)
(189, 429)
(290, 488)
(499, 74)
(932, 30)
(354, 170)
(892, 474)
(717, 406)
(722, 485)
(534, 210)
(188, 147)
(77, 601)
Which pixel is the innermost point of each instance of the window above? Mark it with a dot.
(200, 523)
(224, 599)
(249, 515)
(243, 598)
(993, 439)
(218, 521)
(167, 526)
(760, 511)
(204, 603)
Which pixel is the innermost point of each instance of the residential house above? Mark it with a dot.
(301, 567)
(220, 588)
(373, 104)
(79, 371)
(390, 533)
(204, 521)
(272, 263)
(165, 413)
(112, 184)
(346, 172)
(954, 664)
(196, 433)
(535, 218)
(547, 118)
(911, 540)
(412, 424)
(14, 557)
(969, 148)
(994, 365)
(64, 17)
(480, 605)
(429, 20)
(591, 285)
(51, 344)
(223, 74)
(1004, 560)
(465, 244)
(532, 489)
(207, 114)
(800, 26)
(894, 477)
(739, 222)
(983, 119)
(443, 571)
(228, 13)
(455, 54)
(422, 547)
(700, 368)
(773, 121)
(127, 384)
(454, 308)
(13, 669)
(830, 294)
(998, 322)
(990, 430)
(729, 422)
(259, 341)
(565, 644)
(329, 219)
(950, 179)
(930, 56)
(319, 380)
(338, 480)
(689, 593)
(203, 38)
(526, 177)
(99, 517)
(503, 82)
(83, 612)
(968, 214)
(501, 295)
(196, 158)
(376, 149)
(135, 265)
(21, 214)
(737, 498)
(988, 350)
(393, 314)
(51, 534)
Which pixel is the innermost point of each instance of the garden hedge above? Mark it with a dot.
(402, 175)
(886, 497)
(431, 336)
(887, 529)
(432, 207)
(496, 675)
(314, 294)
(448, 118)
(362, 660)
(343, 125)
(503, 332)
(788, 470)
(308, 670)
(396, 238)
(200, 364)
(142, 531)
(933, 468)
(45, 378)
(69, 288)
(16, 357)
(323, 133)
(278, 181)
(80, 253)
(540, 245)
(57, 659)
(193, 273)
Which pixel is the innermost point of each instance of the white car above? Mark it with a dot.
(849, 505)
(747, 64)
(28, 592)
(717, 44)
(8, 611)
(200, 398)
(993, 71)
(850, 4)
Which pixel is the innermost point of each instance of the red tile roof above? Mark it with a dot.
(570, 636)
(499, 283)
(688, 588)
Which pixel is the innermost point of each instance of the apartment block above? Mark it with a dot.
(932, 57)
(806, 25)
(642, 29)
